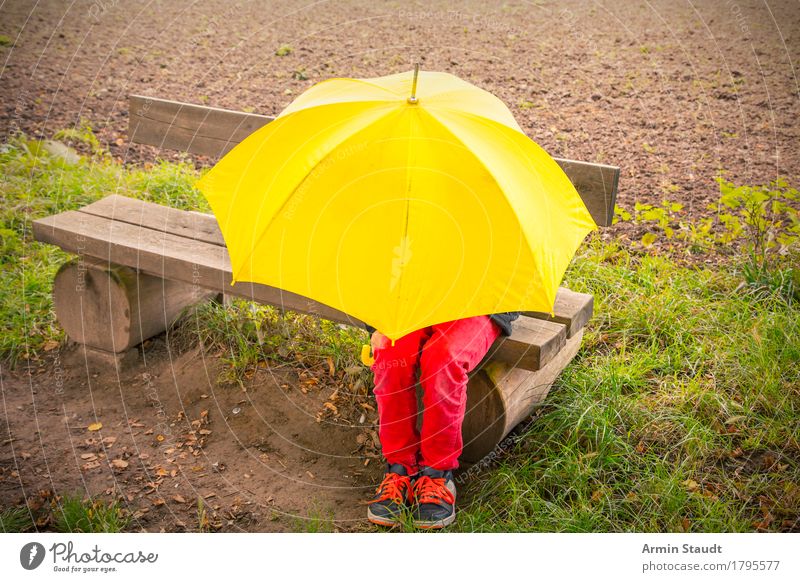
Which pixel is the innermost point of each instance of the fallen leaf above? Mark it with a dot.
(179, 498)
(331, 367)
(119, 463)
(95, 426)
(88, 456)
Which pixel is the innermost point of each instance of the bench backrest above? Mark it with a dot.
(211, 131)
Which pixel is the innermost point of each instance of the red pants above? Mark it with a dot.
(444, 353)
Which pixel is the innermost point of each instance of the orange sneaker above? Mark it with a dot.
(391, 497)
(434, 499)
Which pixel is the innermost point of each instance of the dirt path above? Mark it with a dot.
(171, 434)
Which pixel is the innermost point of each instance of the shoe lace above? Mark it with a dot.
(432, 490)
(393, 487)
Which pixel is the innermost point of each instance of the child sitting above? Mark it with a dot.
(420, 462)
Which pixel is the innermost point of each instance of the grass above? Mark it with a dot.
(679, 413)
(15, 520)
(75, 515)
(246, 334)
(34, 184)
(319, 519)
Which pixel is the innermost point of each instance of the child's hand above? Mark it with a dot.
(378, 341)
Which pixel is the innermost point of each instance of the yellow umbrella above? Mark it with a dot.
(401, 201)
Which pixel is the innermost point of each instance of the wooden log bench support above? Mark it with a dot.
(140, 264)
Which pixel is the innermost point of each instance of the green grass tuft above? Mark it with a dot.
(75, 515)
(15, 520)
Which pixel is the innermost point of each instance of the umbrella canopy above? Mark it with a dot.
(403, 202)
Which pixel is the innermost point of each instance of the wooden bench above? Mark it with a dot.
(142, 264)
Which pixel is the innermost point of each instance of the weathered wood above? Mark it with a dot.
(197, 129)
(211, 131)
(532, 343)
(167, 256)
(499, 397)
(163, 254)
(571, 309)
(113, 308)
(597, 184)
(185, 223)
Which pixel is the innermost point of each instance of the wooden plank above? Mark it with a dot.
(544, 338)
(169, 256)
(571, 309)
(597, 184)
(187, 223)
(197, 129)
(211, 131)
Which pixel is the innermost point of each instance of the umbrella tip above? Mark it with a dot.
(413, 99)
